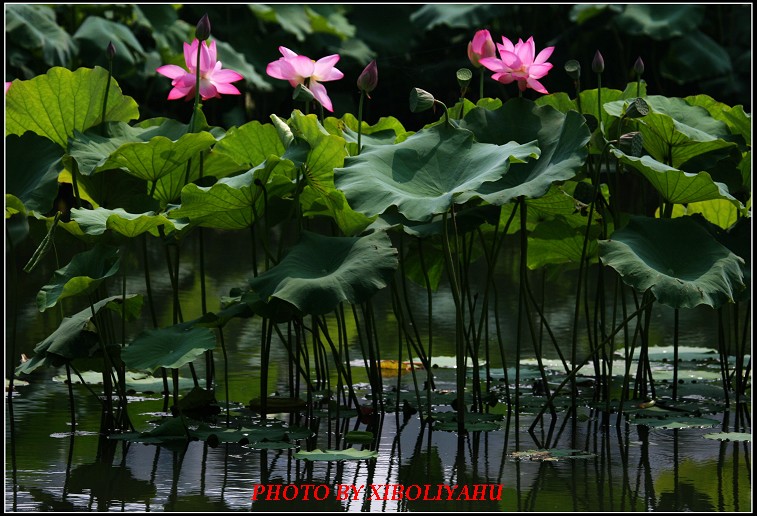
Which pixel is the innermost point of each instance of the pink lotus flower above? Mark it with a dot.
(517, 63)
(481, 46)
(7, 86)
(213, 80)
(299, 69)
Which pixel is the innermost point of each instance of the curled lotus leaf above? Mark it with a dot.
(320, 272)
(677, 259)
(426, 174)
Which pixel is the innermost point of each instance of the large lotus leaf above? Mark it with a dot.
(675, 131)
(33, 27)
(734, 117)
(676, 186)
(158, 157)
(94, 30)
(76, 336)
(170, 347)
(82, 275)
(720, 212)
(251, 143)
(561, 240)
(91, 150)
(320, 196)
(426, 174)
(237, 202)
(682, 264)
(98, 220)
(695, 57)
(660, 22)
(387, 131)
(32, 164)
(61, 102)
(320, 272)
(456, 16)
(562, 139)
(104, 481)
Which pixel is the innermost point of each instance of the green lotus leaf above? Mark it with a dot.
(272, 445)
(730, 436)
(720, 212)
(61, 102)
(358, 437)
(170, 347)
(682, 264)
(326, 455)
(660, 22)
(562, 140)
(91, 150)
(735, 118)
(94, 30)
(320, 272)
(32, 164)
(320, 195)
(237, 202)
(137, 382)
(552, 455)
(75, 337)
(159, 156)
(426, 174)
(679, 423)
(695, 57)
(98, 220)
(242, 436)
(34, 28)
(13, 205)
(676, 186)
(82, 275)
(251, 143)
(172, 429)
(561, 241)
(387, 131)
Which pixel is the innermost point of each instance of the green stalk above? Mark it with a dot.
(360, 120)
(459, 341)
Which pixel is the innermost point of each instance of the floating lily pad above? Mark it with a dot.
(170, 347)
(729, 436)
(681, 423)
(551, 455)
(327, 455)
(358, 437)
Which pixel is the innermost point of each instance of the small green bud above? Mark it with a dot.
(202, 32)
(420, 100)
(598, 64)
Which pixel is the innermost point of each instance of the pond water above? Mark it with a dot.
(595, 464)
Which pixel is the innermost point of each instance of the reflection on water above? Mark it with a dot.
(628, 468)
(631, 468)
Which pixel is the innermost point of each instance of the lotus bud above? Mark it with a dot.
(202, 32)
(598, 64)
(368, 80)
(420, 100)
(638, 67)
(111, 51)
